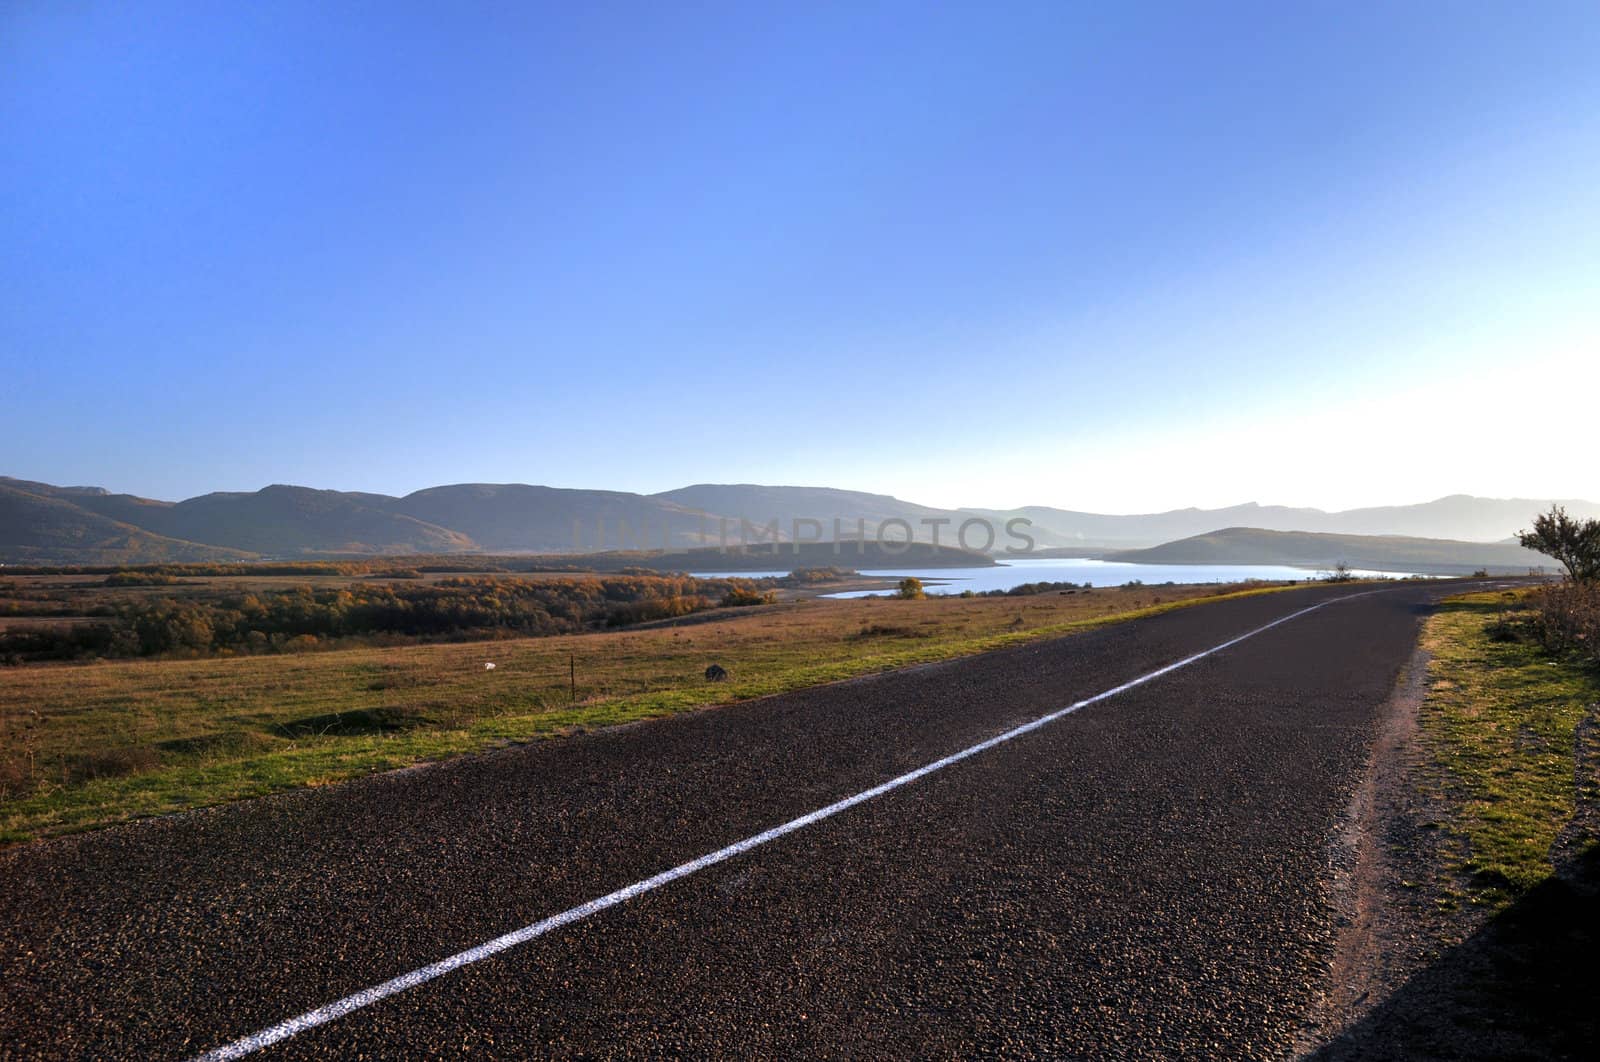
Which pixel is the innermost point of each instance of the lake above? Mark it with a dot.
(1018, 570)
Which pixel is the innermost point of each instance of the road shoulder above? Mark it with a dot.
(1455, 940)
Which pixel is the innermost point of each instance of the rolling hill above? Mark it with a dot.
(854, 510)
(1386, 553)
(287, 520)
(518, 518)
(761, 504)
(93, 525)
(275, 521)
(39, 529)
(1458, 516)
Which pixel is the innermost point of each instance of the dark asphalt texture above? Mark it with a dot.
(1147, 876)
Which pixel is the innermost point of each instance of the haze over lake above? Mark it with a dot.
(1015, 572)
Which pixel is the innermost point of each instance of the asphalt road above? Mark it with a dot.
(1147, 875)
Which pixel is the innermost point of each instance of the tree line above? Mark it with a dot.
(213, 620)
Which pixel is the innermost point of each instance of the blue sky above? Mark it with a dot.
(1114, 257)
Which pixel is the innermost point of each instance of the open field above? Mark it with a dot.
(88, 744)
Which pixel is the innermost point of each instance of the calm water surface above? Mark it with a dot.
(1016, 571)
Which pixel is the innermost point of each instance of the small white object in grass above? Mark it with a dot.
(488, 666)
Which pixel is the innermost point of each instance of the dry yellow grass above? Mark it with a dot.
(89, 744)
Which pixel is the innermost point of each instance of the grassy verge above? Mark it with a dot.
(1500, 727)
(89, 745)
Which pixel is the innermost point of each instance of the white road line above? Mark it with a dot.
(367, 996)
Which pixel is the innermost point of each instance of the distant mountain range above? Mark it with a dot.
(1384, 553)
(48, 528)
(45, 524)
(1459, 516)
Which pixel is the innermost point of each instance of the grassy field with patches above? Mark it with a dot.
(1500, 727)
(89, 744)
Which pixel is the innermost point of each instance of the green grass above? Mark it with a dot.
(1499, 725)
(87, 745)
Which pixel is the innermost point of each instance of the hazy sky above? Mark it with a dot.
(1103, 256)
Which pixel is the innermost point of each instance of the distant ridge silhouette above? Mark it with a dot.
(42, 523)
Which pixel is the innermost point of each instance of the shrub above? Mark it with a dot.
(740, 595)
(141, 578)
(810, 576)
(911, 589)
(1567, 619)
(653, 608)
(1501, 629)
(888, 630)
(1031, 589)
